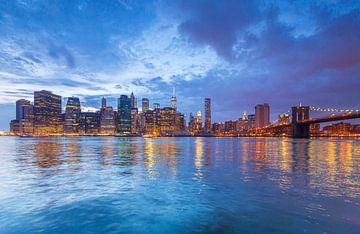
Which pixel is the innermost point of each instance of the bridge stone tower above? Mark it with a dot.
(300, 113)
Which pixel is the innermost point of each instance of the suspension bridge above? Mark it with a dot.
(301, 121)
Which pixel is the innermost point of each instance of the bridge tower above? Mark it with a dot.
(300, 113)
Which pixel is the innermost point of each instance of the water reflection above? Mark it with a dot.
(219, 173)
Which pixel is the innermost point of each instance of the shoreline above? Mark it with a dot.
(213, 136)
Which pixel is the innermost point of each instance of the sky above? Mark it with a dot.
(238, 53)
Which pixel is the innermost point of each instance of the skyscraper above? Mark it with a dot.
(262, 115)
(72, 114)
(133, 100)
(173, 100)
(47, 112)
(103, 103)
(145, 105)
(207, 115)
(124, 110)
(24, 116)
(107, 121)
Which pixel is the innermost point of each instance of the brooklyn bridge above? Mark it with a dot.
(299, 127)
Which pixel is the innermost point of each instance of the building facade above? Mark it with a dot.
(124, 111)
(207, 125)
(72, 114)
(262, 115)
(47, 113)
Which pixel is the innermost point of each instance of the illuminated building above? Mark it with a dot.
(181, 121)
(191, 126)
(262, 115)
(173, 100)
(315, 129)
(149, 122)
(89, 122)
(24, 117)
(107, 121)
(230, 126)
(14, 126)
(124, 110)
(136, 122)
(72, 114)
(283, 119)
(145, 105)
(198, 122)
(338, 128)
(168, 121)
(133, 100)
(47, 113)
(216, 128)
(207, 125)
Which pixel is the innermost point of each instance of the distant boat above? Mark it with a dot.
(148, 136)
(26, 135)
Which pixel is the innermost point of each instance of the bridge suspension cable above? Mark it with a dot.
(312, 108)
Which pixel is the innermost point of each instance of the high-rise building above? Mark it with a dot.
(168, 119)
(20, 104)
(107, 121)
(262, 115)
(124, 110)
(150, 122)
(72, 114)
(89, 123)
(103, 103)
(198, 121)
(207, 125)
(24, 117)
(133, 100)
(47, 113)
(173, 100)
(145, 105)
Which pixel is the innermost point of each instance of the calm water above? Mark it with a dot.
(177, 185)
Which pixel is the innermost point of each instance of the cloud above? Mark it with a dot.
(59, 52)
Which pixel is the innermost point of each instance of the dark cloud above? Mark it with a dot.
(319, 67)
(61, 52)
(217, 23)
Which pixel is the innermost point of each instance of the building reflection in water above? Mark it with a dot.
(49, 152)
(161, 155)
(322, 164)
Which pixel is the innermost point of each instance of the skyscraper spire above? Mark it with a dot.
(173, 100)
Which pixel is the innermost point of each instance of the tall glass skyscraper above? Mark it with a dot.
(47, 112)
(124, 110)
(207, 125)
(72, 114)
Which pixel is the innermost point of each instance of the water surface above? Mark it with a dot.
(177, 185)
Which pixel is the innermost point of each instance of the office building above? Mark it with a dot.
(107, 121)
(207, 126)
(145, 105)
(89, 123)
(72, 114)
(133, 100)
(262, 115)
(173, 100)
(47, 113)
(124, 111)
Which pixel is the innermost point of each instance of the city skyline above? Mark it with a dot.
(269, 52)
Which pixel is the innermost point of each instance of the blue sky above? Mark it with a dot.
(239, 53)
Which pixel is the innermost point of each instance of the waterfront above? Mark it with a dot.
(162, 185)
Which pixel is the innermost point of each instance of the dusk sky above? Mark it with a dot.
(238, 53)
